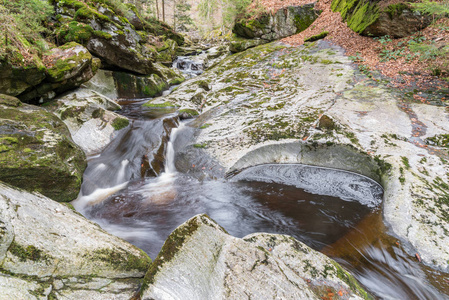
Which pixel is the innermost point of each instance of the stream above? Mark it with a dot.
(133, 189)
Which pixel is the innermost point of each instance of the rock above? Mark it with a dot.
(67, 67)
(283, 23)
(90, 119)
(107, 33)
(264, 105)
(66, 61)
(126, 85)
(326, 123)
(103, 83)
(62, 254)
(14, 80)
(35, 142)
(375, 19)
(6, 100)
(199, 260)
(239, 44)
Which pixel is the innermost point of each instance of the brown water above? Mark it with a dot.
(336, 212)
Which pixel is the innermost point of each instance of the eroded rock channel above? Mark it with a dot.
(161, 172)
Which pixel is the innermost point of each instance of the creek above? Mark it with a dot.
(133, 190)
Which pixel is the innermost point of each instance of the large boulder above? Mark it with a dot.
(283, 23)
(115, 84)
(16, 79)
(200, 260)
(60, 69)
(90, 118)
(67, 67)
(375, 19)
(108, 34)
(37, 152)
(49, 250)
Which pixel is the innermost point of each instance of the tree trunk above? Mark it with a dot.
(163, 10)
(157, 9)
(174, 15)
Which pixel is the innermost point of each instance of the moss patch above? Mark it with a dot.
(120, 123)
(358, 14)
(316, 37)
(122, 260)
(171, 246)
(27, 253)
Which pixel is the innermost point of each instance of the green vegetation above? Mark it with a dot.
(418, 47)
(358, 14)
(22, 23)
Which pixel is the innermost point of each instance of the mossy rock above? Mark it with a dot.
(34, 142)
(240, 44)
(9, 101)
(67, 61)
(270, 27)
(132, 86)
(316, 37)
(105, 30)
(373, 19)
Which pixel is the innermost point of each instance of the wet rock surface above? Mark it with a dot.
(267, 105)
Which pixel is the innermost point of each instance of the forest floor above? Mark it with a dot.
(390, 57)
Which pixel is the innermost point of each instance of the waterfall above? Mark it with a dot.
(170, 167)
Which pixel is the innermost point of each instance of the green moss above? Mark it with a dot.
(120, 123)
(405, 162)
(277, 106)
(102, 34)
(199, 146)
(9, 101)
(28, 253)
(441, 140)
(316, 37)
(358, 14)
(396, 9)
(87, 12)
(122, 260)
(305, 19)
(351, 281)
(188, 111)
(159, 105)
(204, 126)
(176, 80)
(75, 31)
(170, 248)
(204, 84)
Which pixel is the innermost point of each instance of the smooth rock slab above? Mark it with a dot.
(58, 251)
(200, 260)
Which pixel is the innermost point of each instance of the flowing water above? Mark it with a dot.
(133, 190)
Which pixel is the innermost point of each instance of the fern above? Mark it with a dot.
(437, 9)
